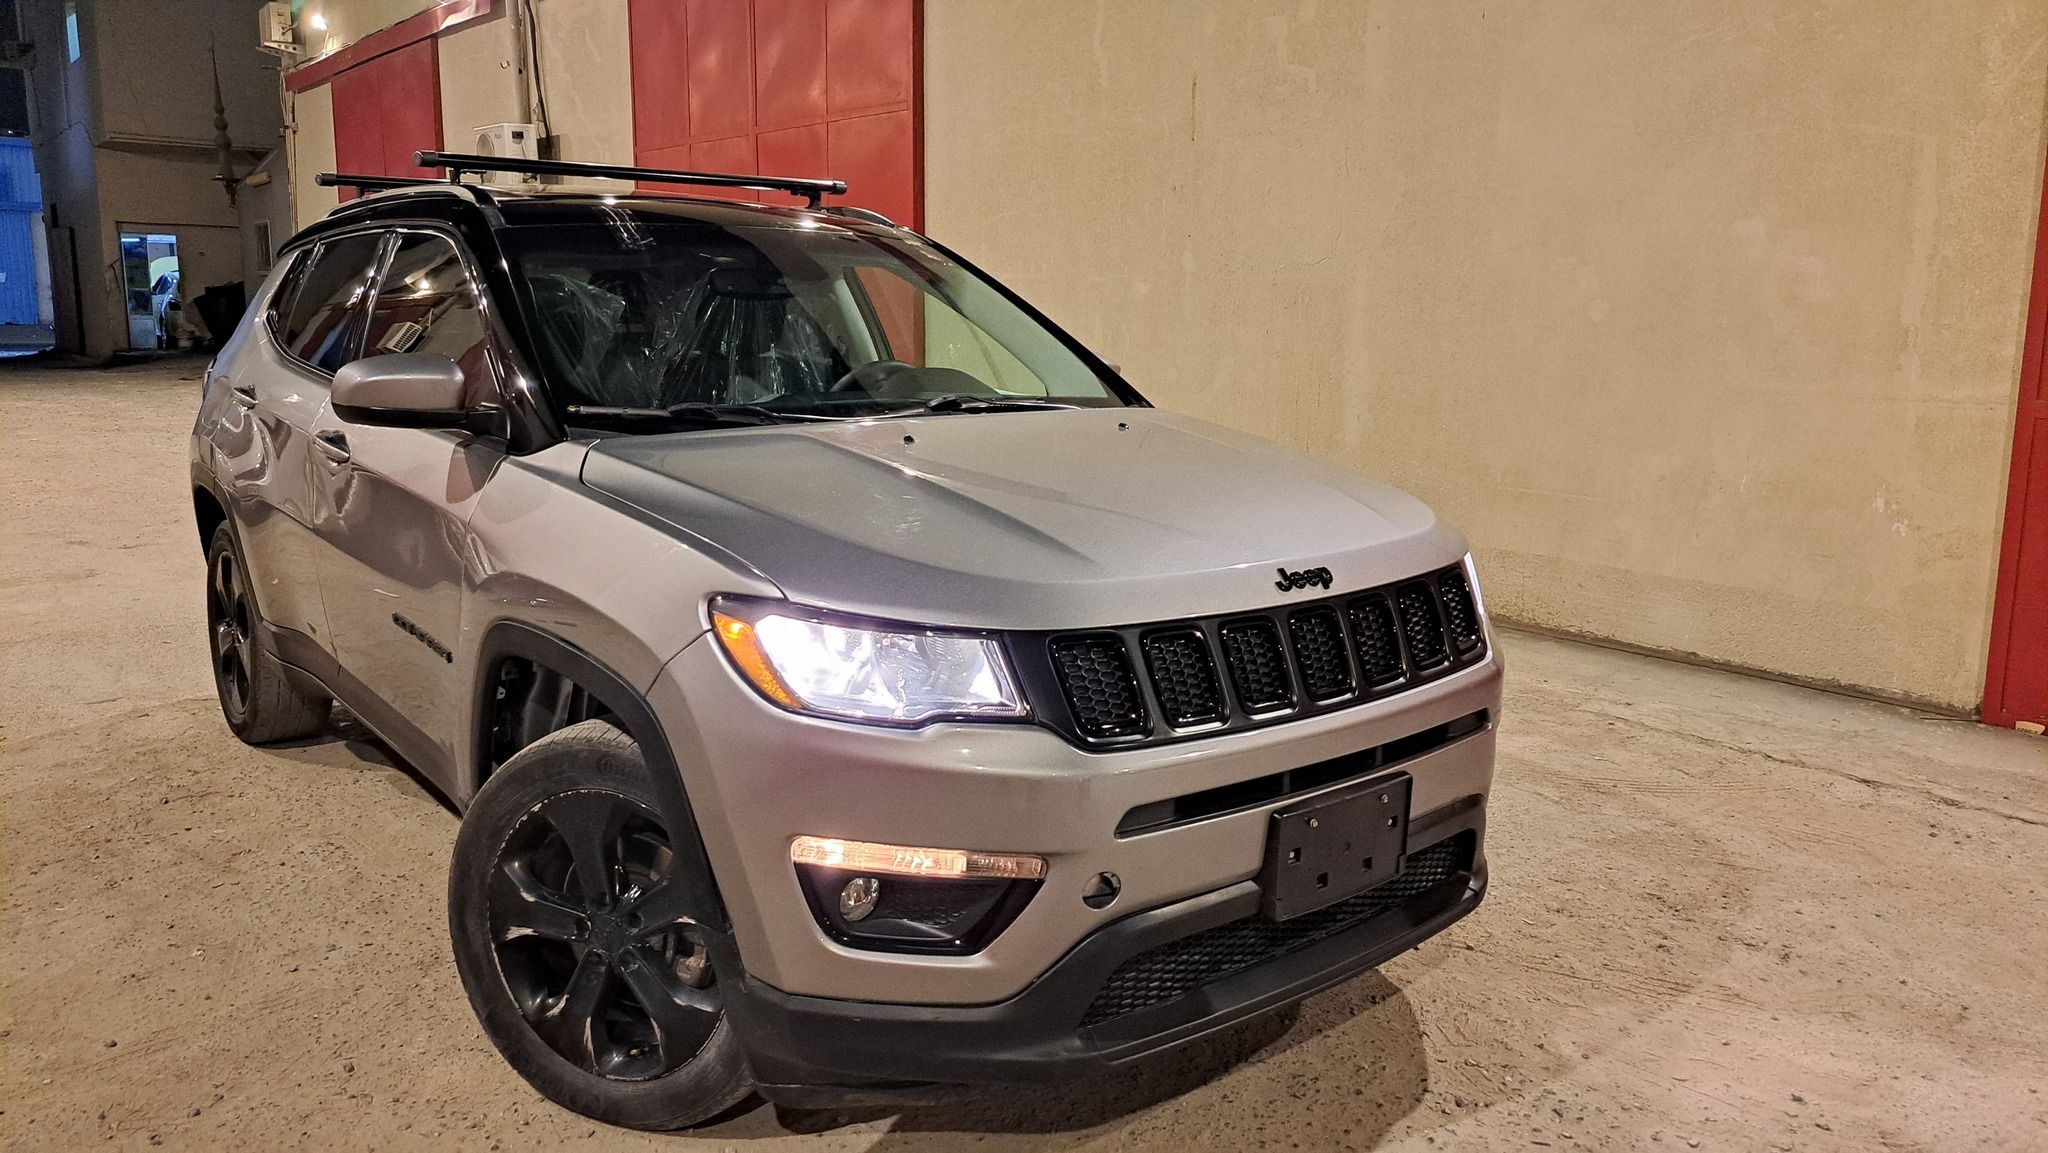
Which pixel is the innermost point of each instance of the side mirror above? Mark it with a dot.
(402, 388)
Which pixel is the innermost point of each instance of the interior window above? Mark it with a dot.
(425, 305)
(324, 324)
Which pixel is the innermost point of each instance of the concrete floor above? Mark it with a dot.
(1726, 913)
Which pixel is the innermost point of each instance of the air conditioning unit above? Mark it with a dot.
(518, 141)
(274, 30)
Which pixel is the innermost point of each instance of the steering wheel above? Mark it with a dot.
(870, 374)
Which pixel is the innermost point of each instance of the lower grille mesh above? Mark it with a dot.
(1167, 971)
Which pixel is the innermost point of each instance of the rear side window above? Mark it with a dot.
(280, 307)
(323, 325)
(425, 305)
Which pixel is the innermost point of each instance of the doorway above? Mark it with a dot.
(149, 276)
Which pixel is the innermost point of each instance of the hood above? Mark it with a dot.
(1026, 520)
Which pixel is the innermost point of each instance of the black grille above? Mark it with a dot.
(1183, 676)
(1173, 680)
(1258, 667)
(1421, 627)
(1164, 972)
(1095, 671)
(1318, 638)
(1379, 648)
(1461, 619)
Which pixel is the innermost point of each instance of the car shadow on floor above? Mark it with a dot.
(344, 728)
(1386, 1083)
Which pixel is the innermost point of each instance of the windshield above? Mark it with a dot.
(645, 318)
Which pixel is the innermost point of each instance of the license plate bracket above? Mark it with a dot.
(1335, 846)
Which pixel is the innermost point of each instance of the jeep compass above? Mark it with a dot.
(849, 682)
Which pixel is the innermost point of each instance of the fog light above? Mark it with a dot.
(858, 898)
(913, 861)
(912, 899)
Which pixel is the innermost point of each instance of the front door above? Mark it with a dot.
(276, 475)
(398, 564)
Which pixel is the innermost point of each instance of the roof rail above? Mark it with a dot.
(867, 214)
(457, 163)
(364, 183)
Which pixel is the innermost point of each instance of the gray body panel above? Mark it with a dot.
(1016, 520)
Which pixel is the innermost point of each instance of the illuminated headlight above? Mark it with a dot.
(867, 671)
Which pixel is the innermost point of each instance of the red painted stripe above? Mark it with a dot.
(411, 30)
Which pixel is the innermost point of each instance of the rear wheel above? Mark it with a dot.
(576, 941)
(259, 702)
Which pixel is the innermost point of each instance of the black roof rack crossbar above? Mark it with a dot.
(457, 163)
(364, 183)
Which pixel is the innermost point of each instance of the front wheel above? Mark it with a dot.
(576, 943)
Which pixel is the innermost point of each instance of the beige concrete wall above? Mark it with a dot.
(154, 68)
(584, 54)
(1702, 320)
(310, 137)
(585, 63)
(480, 78)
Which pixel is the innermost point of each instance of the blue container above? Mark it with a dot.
(21, 200)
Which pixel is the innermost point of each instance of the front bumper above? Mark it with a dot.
(758, 777)
(1056, 1027)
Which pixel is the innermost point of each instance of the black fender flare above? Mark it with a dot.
(519, 640)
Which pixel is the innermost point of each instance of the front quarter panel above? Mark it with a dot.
(624, 588)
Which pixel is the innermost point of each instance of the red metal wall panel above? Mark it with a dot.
(869, 60)
(718, 69)
(789, 63)
(358, 124)
(792, 152)
(661, 102)
(875, 156)
(385, 109)
(409, 83)
(784, 87)
(2016, 684)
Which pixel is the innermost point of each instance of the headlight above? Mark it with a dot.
(885, 673)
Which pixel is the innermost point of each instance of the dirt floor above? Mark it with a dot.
(1726, 913)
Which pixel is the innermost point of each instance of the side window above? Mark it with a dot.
(324, 324)
(279, 310)
(425, 305)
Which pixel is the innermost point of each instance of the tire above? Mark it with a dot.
(600, 993)
(260, 704)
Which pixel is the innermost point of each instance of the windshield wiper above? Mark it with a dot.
(697, 410)
(975, 402)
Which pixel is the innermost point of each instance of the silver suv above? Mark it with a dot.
(850, 683)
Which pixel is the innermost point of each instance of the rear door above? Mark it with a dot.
(278, 386)
(397, 561)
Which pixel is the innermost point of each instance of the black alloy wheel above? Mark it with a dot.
(592, 939)
(573, 907)
(231, 627)
(258, 699)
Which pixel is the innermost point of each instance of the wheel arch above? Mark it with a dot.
(515, 645)
(209, 510)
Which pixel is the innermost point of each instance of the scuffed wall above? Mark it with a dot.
(1702, 320)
